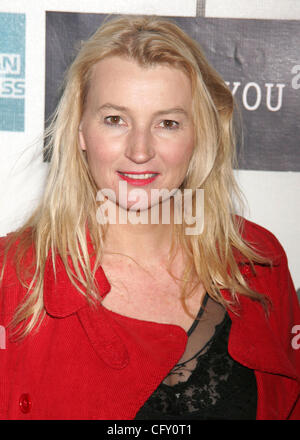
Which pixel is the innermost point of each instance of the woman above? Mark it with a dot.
(111, 315)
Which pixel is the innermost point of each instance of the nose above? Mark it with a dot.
(140, 145)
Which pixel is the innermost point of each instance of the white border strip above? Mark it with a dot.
(186, 8)
(258, 9)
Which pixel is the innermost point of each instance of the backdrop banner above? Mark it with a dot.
(12, 71)
(258, 59)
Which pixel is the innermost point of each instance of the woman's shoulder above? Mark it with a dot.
(8, 247)
(273, 280)
(12, 246)
(12, 291)
(261, 238)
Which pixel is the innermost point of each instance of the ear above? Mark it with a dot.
(81, 138)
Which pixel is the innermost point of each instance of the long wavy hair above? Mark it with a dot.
(68, 205)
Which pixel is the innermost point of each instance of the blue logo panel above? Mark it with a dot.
(12, 71)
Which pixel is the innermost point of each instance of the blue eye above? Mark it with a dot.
(169, 124)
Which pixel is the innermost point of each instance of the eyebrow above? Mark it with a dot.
(109, 106)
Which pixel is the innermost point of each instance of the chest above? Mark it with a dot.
(149, 295)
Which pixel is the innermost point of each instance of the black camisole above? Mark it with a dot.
(206, 384)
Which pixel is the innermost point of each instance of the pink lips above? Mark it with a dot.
(138, 182)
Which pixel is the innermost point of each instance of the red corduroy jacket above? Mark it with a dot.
(86, 363)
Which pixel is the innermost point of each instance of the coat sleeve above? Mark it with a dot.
(277, 283)
(290, 322)
(286, 313)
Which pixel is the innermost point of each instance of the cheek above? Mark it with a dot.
(181, 155)
(101, 150)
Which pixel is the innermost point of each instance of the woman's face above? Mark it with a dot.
(137, 127)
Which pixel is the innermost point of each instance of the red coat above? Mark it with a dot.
(86, 363)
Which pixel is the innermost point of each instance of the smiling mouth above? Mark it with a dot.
(138, 175)
(141, 178)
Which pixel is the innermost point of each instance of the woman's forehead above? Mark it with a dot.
(120, 78)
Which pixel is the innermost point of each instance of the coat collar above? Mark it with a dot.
(61, 297)
(252, 340)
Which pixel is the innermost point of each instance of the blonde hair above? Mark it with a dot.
(68, 206)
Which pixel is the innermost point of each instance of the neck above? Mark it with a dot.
(145, 241)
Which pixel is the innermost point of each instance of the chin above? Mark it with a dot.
(134, 207)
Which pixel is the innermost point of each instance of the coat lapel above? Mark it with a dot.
(252, 341)
(61, 297)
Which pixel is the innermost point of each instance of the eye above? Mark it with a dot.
(169, 124)
(113, 120)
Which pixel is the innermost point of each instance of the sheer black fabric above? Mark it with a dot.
(206, 384)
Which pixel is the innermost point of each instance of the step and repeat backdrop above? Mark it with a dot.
(255, 49)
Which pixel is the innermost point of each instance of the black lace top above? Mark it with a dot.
(206, 384)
